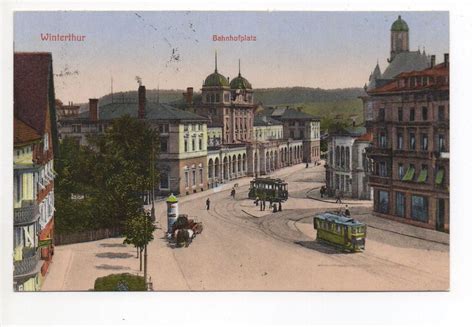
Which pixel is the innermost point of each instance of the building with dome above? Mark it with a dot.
(214, 140)
(228, 105)
(243, 143)
(401, 58)
(406, 109)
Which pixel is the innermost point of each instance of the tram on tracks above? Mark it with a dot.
(342, 232)
(268, 189)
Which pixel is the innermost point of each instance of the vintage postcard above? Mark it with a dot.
(231, 151)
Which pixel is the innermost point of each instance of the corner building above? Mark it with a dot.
(409, 118)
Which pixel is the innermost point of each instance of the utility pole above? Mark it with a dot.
(153, 218)
(145, 255)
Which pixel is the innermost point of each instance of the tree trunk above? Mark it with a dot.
(141, 260)
(137, 251)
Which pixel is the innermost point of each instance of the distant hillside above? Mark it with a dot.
(295, 95)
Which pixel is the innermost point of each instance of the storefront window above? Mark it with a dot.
(383, 202)
(419, 208)
(400, 204)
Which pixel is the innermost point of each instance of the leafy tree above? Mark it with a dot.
(124, 162)
(139, 232)
(110, 176)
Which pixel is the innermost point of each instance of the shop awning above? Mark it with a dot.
(423, 176)
(409, 174)
(439, 176)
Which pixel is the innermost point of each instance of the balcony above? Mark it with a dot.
(421, 154)
(30, 263)
(376, 151)
(27, 214)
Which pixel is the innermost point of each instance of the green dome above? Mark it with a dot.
(399, 25)
(216, 79)
(240, 83)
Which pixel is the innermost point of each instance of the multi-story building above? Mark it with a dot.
(183, 138)
(297, 125)
(34, 145)
(409, 118)
(346, 166)
(214, 140)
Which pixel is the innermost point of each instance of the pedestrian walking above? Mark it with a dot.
(208, 204)
(338, 197)
(347, 212)
(307, 165)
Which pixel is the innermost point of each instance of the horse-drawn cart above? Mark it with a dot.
(184, 230)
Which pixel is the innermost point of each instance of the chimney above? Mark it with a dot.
(141, 101)
(446, 59)
(189, 95)
(433, 61)
(93, 109)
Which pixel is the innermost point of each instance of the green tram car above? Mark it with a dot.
(343, 232)
(269, 189)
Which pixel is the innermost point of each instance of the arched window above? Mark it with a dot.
(210, 169)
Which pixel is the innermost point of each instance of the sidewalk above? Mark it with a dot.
(403, 229)
(314, 194)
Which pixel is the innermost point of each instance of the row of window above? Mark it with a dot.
(192, 182)
(342, 155)
(410, 174)
(412, 144)
(24, 150)
(193, 145)
(419, 205)
(412, 115)
(193, 127)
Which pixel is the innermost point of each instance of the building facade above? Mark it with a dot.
(409, 118)
(347, 163)
(183, 138)
(34, 146)
(214, 140)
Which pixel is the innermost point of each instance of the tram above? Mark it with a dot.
(340, 231)
(269, 189)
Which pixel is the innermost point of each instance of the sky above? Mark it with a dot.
(176, 50)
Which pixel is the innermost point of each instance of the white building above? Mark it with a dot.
(347, 164)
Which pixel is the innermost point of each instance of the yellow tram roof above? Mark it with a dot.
(339, 219)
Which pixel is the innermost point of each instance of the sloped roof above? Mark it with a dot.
(406, 62)
(287, 114)
(351, 131)
(23, 133)
(153, 111)
(261, 120)
(376, 74)
(32, 74)
(438, 70)
(367, 137)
